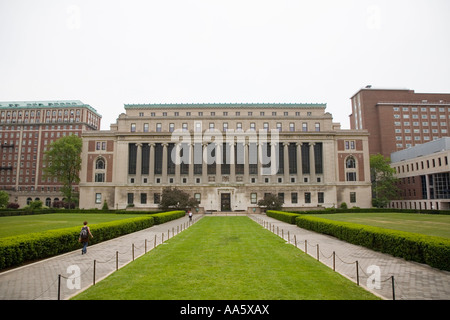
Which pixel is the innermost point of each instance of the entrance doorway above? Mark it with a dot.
(225, 202)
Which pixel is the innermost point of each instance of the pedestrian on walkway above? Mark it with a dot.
(84, 237)
(190, 215)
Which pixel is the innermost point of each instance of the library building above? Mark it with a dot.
(226, 156)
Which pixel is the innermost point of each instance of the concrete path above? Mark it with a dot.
(412, 281)
(40, 280)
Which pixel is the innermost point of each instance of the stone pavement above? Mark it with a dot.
(40, 280)
(412, 281)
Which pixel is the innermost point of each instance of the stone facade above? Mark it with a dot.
(228, 156)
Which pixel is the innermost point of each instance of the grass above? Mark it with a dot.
(225, 258)
(427, 224)
(16, 225)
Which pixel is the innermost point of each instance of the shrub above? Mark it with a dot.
(288, 217)
(168, 216)
(13, 205)
(434, 251)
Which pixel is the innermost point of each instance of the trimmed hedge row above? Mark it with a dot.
(434, 251)
(164, 217)
(287, 217)
(28, 247)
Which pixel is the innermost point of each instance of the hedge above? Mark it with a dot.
(164, 217)
(287, 217)
(16, 250)
(434, 251)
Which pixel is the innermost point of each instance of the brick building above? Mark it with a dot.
(26, 129)
(398, 119)
(227, 156)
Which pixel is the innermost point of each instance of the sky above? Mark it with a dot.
(111, 53)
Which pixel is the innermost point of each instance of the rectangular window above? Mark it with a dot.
(351, 176)
(143, 198)
(291, 126)
(253, 198)
(158, 127)
(198, 197)
(99, 177)
(294, 197)
(320, 197)
(98, 198)
(304, 126)
(130, 197)
(352, 197)
(146, 127)
(307, 197)
(133, 127)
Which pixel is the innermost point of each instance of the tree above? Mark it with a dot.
(271, 202)
(4, 199)
(384, 183)
(176, 199)
(63, 161)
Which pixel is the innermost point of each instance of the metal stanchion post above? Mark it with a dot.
(59, 287)
(95, 262)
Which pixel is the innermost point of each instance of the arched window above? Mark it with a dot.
(48, 202)
(350, 169)
(100, 164)
(350, 163)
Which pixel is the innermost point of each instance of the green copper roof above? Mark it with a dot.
(226, 106)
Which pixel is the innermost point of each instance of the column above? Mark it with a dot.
(138, 163)
(286, 161)
(274, 154)
(299, 162)
(204, 162)
(164, 163)
(177, 163)
(191, 164)
(232, 163)
(259, 165)
(246, 163)
(218, 178)
(151, 168)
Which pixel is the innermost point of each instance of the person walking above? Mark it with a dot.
(84, 237)
(190, 215)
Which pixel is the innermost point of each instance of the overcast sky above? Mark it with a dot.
(111, 53)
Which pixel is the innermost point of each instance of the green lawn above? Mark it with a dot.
(225, 258)
(427, 224)
(16, 225)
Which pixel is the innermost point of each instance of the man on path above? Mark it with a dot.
(84, 237)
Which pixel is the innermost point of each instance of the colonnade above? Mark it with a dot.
(259, 165)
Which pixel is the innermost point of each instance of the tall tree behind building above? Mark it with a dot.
(62, 161)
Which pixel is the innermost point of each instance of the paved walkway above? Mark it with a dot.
(40, 280)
